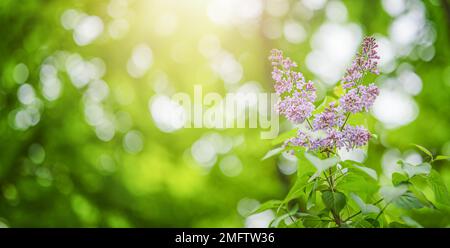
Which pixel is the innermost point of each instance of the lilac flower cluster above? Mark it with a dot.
(329, 118)
(366, 61)
(356, 136)
(349, 138)
(359, 98)
(329, 130)
(296, 95)
(295, 109)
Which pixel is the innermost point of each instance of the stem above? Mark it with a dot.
(290, 216)
(345, 122)
(357, 91)
(327, 179)
(382, 210)
(309, 124)
(338, 177)
(331, 179)
(350, 217)
(336, 217)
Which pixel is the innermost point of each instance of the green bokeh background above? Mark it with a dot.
(56, 172)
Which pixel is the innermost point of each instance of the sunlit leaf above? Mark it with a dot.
(365, 208)
(396, 224)
(297, 190)
(353, 164)
(398, 178)
(425, 150)
(320, 164)
(314, 222)
(272, 204)
(273, 152)
(276, 222)
(412, 170)
(283, 137)
(390, 193)
(312, 196)
(374, 136)
(358, 182)
(358, 119)
(421, 196)
(441, 157)
(410, 222)
(324, 104)
(408, 201)
(439, 188)
(338, 91)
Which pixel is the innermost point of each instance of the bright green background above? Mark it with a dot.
(84, 181)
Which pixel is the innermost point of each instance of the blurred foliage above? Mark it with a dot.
(58, 167)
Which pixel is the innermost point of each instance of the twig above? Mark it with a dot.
(345, 122)
(309, 123)
(358, 213)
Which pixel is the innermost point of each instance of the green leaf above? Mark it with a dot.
(399, 178)
(365, 223)
(284, 136)
(358, 119)
(396, 224)
(421, 196)
(334, 201)
(412, 170)
(338, 91)
(425, 150)
(373, 222)
(408, 201)
(273, 152)
(320, 165)
(410, 222)
(314, 221)
(375, 136)
(439, 188)
(441, 157)
(362, 223)
(390, 193)
(365, 208)
(304, 167)
(276, 222)
(297, 190)
(272, 204)
(353, 164)
(357, 182)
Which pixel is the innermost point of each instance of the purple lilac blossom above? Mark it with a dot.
(333, 139)
(329, 118)
(355, 136)
(302, 139)
(297, 97)
(359, 99)
(352, 102)
(370, 54)
(295, 109)
(368, 95)
(282, 73)
(365, 61)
